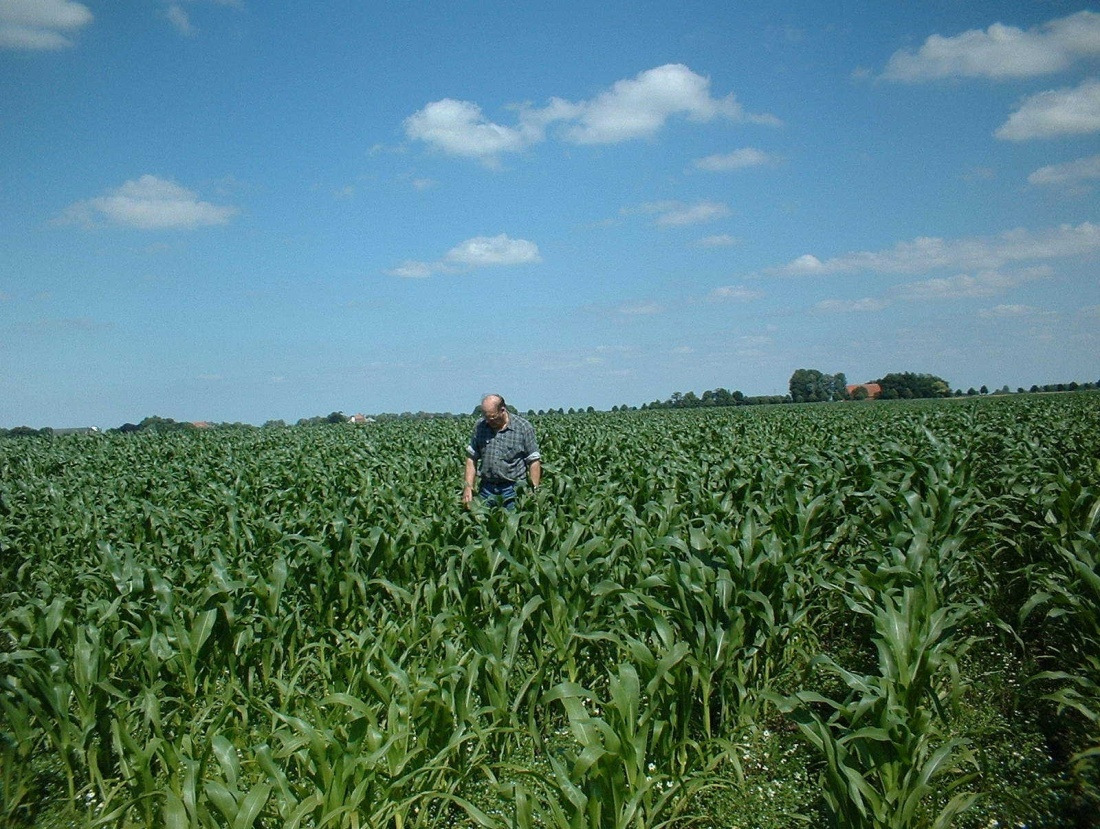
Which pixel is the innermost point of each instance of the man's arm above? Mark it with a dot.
(468, 485)
(534, 470)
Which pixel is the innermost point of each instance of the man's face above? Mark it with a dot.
(496, 417)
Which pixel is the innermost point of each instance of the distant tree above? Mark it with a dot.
(1034, 389)
(23, 432)
(1020, 390)
(908, 385)
(805, 385)
(984, 389)
(808, 385)
(337, 417)
(1072, 386)
(275, 424)
(971, 392)
(860, 393)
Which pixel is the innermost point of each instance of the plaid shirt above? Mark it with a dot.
(504, 455)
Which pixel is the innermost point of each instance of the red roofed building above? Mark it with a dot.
(873, 389)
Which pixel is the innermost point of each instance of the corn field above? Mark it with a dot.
(858, 615)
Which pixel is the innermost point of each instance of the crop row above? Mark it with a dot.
(302, 627)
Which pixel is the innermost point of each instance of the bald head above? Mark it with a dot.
(491, 403)
(496, 415)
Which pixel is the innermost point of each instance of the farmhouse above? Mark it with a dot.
(873, 389)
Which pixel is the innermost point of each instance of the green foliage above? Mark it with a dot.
(808, 385)
(775, 617)
(906, 386)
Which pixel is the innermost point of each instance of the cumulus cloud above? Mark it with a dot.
(735, 293)
(40, 24)
(1054, 113)
(494, 250)
(1071, 173)
(1009, 311)
(960, 286)
(721, 240)
(677, 214)
(638, 107)
(478, 252)
(412, 269)
(975, 253)
(180, 20)
(150, 203)
(641, 309)
(460, 128)
(737, 160)
(848, 306)
(630, 109)
(1001, 51)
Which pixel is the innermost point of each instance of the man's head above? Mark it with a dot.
(495, 410)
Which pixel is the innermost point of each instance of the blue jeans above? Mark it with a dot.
(502, 493)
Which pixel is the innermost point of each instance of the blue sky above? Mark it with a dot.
(242, 211)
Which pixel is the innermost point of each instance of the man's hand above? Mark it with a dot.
(467, 495)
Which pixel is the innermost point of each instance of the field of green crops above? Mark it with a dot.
(860, 615)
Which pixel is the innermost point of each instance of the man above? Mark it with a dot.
(504, 444)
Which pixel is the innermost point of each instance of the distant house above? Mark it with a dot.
(78, 430)
(360, 418)
(202, 424)
(873, 389)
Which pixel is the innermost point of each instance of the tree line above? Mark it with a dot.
(805, 386)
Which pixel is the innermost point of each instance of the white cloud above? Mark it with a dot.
(640, 106)
(178, 18)
(961, 286)
(151, 203)
(1054, 113)
(412, 269)
(630, 109)
(494, 250)
(975, 253)
(806, 263)
(722, 240)
(641, 309)
(737, 160)
(844, 306)
(736, 293)
(478, 252)
(40, 24)
(459, 128)
(1001, 51)
(423, 183)
(1070, 173)
(1008, 311)
(675, 214)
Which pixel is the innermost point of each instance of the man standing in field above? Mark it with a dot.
(505, 446)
